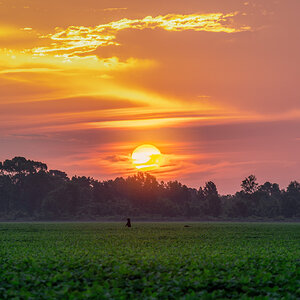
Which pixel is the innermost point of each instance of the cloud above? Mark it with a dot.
(81, 40)
(12, 60)
(114, 8)
(116, 158)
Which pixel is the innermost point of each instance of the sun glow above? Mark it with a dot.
(146, 157)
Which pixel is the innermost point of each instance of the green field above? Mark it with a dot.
(149, 261)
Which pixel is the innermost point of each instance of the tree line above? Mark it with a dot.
(29, 190)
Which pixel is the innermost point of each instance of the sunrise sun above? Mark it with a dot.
(146, 157)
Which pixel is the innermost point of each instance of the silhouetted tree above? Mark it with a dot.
(290, 204)
(20, 166)
(29, 190)
(212, 198)
(249, 184)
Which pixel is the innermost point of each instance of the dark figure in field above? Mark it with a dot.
(128, 224)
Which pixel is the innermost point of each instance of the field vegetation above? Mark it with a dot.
(149, 261)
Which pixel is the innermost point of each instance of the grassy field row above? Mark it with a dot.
(149, 261)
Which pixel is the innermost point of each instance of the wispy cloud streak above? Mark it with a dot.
(78, 40)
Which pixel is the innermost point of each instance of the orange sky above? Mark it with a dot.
(213, 84)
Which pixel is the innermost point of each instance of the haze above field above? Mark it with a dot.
(213, 84)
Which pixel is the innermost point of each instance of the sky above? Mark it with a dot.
(213, 84)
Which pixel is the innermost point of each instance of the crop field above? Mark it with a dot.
(149, 261)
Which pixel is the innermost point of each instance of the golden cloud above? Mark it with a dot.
(114, 8)
(79, 40)
(65, 67)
